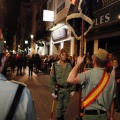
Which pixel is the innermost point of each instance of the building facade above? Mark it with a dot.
(60, 33)
(105, 30)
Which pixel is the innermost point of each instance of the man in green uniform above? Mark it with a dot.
(58, 76)
(98, 106)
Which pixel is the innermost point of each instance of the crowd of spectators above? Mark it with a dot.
(42, 63)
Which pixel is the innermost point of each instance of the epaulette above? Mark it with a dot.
(18, 83)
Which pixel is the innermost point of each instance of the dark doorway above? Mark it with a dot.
(111, 45)
(90, 47)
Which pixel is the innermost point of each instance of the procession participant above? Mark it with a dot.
(15, 98)
(98, 91)
(58, 77)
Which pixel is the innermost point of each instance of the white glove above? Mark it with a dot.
(72, 93)
(53, 94)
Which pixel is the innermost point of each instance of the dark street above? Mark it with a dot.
(39, 88)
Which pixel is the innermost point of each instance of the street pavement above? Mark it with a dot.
(38, 85)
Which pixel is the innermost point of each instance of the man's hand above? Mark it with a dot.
(54, 96)
(72, 93)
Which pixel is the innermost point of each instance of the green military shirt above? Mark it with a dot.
(61, 75)
(90, 79)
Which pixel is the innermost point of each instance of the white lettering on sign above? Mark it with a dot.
(102, 19)
(107, 17)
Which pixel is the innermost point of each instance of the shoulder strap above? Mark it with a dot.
(56, 85)
(91, 97)
(15, 102)
(54, 74)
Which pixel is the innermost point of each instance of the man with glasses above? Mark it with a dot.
(58, 80)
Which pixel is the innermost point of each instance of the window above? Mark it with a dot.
(61, 5)
(60, 2)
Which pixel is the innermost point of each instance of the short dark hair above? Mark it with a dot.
(100, 62)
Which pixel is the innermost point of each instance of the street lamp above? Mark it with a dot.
(31, 36)
(118, 16)
(32, 44)
(26, 42)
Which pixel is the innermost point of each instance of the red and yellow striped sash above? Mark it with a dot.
(91, 97)
(73, 2)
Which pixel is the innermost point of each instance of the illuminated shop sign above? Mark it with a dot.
(48, 15)
(60, 33)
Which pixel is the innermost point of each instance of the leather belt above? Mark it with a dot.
(94, 112)
(60, 86)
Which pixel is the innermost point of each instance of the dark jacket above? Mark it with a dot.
(117, 72)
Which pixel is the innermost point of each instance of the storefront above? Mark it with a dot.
(60, 38)
(106, 30)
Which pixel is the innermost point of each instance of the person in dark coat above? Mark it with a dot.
(115, 72)
(37, 62)
(24, 62)
(12, 63)
(30, 65)
(49, 63)
(19, 64)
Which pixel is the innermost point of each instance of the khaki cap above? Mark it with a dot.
(63, 51)
(102, 54)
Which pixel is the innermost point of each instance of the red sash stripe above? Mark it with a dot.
(73, 2)
(91, 97)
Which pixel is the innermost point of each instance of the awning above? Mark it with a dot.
(104, 32)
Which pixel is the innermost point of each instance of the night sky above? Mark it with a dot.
(13, 8)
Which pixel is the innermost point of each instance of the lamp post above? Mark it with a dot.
(32, 44)
(26, 46)
(26, 42)
(31, 36)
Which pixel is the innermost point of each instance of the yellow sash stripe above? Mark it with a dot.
(96, 91)
(73, 2)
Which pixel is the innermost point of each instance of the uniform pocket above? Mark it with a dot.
(58, 73)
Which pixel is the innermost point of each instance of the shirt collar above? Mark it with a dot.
(2, 77)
